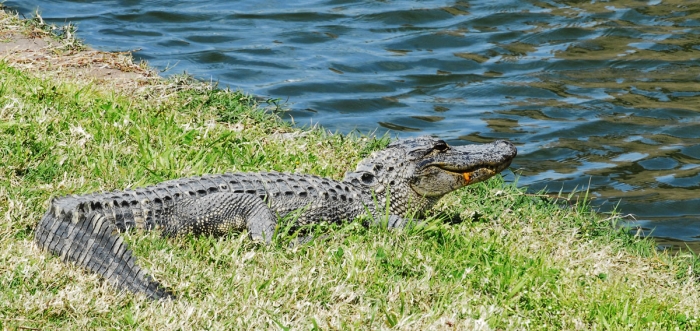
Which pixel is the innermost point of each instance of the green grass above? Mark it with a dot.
(515, 261)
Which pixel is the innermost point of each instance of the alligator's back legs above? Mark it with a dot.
(220, 213)
(93, 243)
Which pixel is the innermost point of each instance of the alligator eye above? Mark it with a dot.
(367, 178)
(441, 145)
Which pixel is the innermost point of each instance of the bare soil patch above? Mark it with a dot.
(43, 48)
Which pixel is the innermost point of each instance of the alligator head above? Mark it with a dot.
(416, 172)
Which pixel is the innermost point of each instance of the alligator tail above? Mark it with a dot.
(92, 242)
(85, 229)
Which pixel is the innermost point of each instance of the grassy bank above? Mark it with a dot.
(514, 262)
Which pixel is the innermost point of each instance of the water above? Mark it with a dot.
(596, 94)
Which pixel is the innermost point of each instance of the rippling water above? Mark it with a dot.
(595, 93)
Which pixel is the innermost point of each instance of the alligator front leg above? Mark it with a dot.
(220, 213)
(398, 222)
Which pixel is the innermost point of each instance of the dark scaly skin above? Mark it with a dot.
(412, 173)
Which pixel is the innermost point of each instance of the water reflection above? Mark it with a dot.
(637, 70)
(598, 95)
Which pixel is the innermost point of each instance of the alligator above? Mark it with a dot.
(404, 179)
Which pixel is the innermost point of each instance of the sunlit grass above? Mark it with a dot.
(489, 258)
